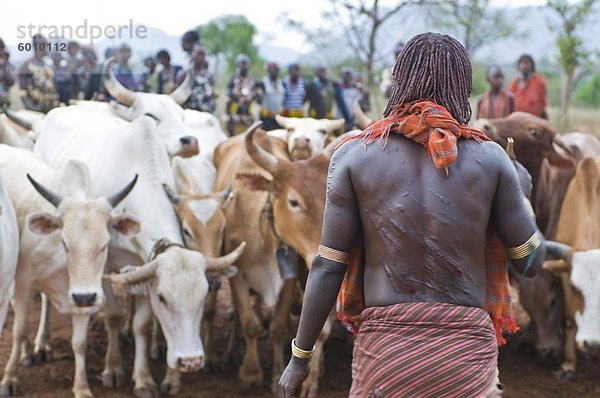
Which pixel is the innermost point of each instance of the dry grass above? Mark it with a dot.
(585, 120)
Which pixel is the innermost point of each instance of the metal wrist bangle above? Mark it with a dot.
(300, 353)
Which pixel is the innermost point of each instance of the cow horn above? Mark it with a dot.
(184, 90)
(50, 196)
(173, 196)
(263, 158)
(138, 275)
(510, 148)
(119, 196)
(557, 251)
(112, 85)
(363, 120)
(17, 119)
(220, 263)
(561, 144)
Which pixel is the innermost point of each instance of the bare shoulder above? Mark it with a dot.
(348, 154)
(491, 155)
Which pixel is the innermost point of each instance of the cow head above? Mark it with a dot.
(535, 139)
(176, 281)
(542, 298)
(164, 109)
(306, 136)
(297, 193)
(84, 227)
(202, 219)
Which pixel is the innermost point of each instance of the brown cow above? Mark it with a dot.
(275, 200)
(202, 221)
(552, 168)
(534, 142)
(579, 231)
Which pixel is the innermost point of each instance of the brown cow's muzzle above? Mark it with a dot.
(189, 146)
(193, 364)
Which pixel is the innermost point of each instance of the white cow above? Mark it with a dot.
(201, 216)
(110, 154)
(63, 248)
(91, 117)
(586, 277)
(305, 136)
(9, 250)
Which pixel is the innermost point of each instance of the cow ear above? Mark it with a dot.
(255, 182)
(126, 225)
(43, 223)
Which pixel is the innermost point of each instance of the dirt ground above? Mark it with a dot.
(521, 373)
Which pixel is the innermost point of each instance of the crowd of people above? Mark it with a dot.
(49, 78)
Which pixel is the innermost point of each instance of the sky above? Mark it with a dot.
(173, 16)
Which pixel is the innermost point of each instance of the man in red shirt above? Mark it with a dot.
(529, 89)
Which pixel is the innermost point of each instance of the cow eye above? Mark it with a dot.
(322, 131)
(294, 203)
(291, 129)
(553, 302)
(161, 298)
(187, 233)
(533, 132)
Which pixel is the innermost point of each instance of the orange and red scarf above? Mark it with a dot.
(432, 126)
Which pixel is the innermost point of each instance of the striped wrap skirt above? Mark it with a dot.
(425, 349)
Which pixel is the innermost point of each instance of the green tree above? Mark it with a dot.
(588, 92)
(474, 22)
(573, 56)
(229, 35)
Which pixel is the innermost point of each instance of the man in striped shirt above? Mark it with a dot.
(420, 214)
(295, 93)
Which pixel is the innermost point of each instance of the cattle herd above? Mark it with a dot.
(143, 200)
